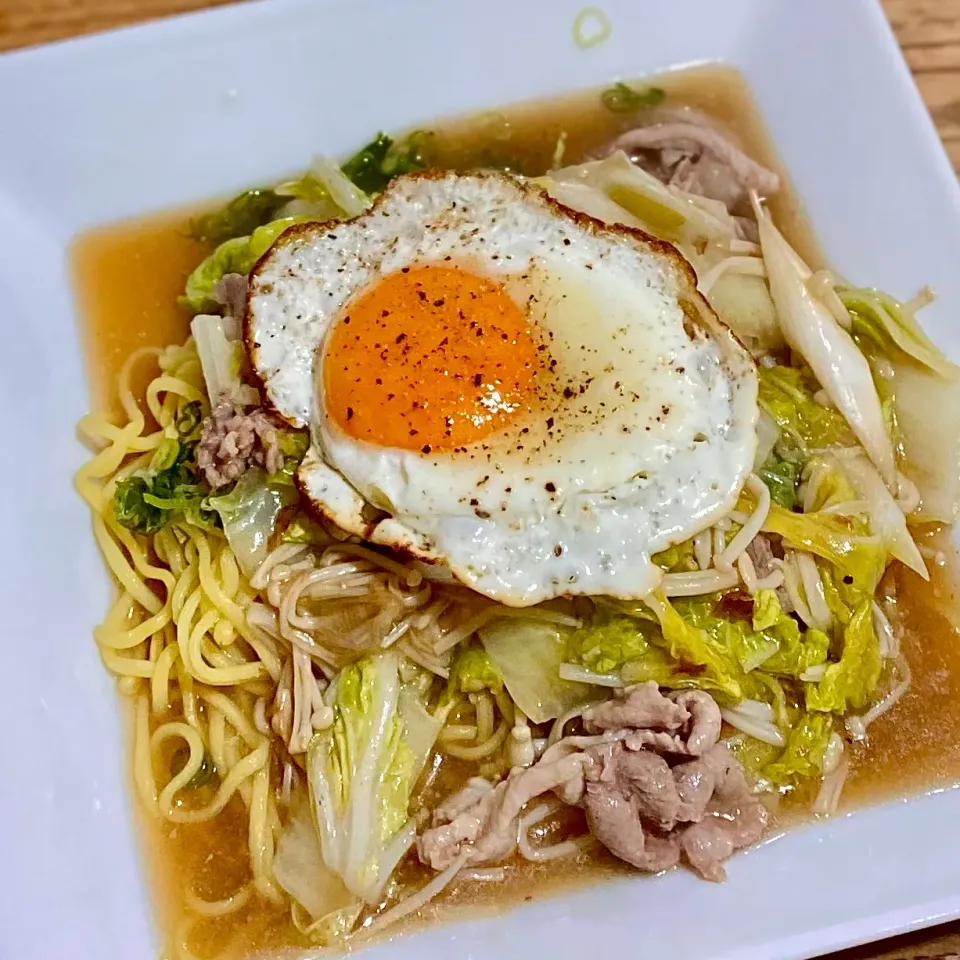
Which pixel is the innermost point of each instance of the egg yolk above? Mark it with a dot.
(431, 358)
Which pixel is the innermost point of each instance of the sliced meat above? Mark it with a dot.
(706, 845)
(685, 149)
(499, 834)
(613, 820)
(230, 291)
(492, 823)
(671, 743)
(476, 789)
(687, 722)
(641, 707)
(734, 819)
(705, 720)
(697, 780)
(761, 553)
(765, 561)
(440, 846)
(232, 441)
(642, 802)
(648, 779)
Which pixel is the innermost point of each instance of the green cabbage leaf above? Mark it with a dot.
(372, 167)
(781, 476)
(236, 255)
(249, 513)
(473, 671)
(170, 487)
(238, 218)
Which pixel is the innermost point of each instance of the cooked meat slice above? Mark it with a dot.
(231, 441)
(657, 740)
(641, 707)
(761, 553)
(685, 149)
(640, 802)
(648, 779)
(440, 846)
(491, 824)
(734, 819)
(476, 789)
(697, 780)
(230, 291)
(765, 560)
(706, 845)
(613, 820)
(499, 834)
(687, 722)
(705, 720)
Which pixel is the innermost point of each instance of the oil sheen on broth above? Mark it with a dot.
(128, 278)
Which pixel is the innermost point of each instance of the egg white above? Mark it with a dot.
(645, 438)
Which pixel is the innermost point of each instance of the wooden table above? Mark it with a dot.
(928, 30)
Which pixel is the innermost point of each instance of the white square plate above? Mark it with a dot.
(129, 122)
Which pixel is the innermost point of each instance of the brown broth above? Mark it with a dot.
(916, 745)
(128, 277)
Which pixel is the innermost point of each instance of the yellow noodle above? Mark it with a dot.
(217, 676)
(128, 686)
(219, 657)
(169, 551)
(126, 666)
(229, 572)
(104, 463)
(188, 697)
(164, 384)
(218, 908)
(224, 633)
(124, 639)
(121, 610)
(126, 576)
(261, 836)
(482, 750)
(185, 629)
(216, 740)
(127, 400)
(160, 684)
(212, 588)
(95, 427)
(190, 769)
(142, 760)
(233, 714)
(184, 587)
(143, 566)
(239, 772)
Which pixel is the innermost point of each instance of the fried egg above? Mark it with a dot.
(499, 384)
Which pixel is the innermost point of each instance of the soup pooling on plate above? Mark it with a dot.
(517, 492)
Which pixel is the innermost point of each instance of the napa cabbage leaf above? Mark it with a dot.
(852, 681)
(528, 655)
(361, 772)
